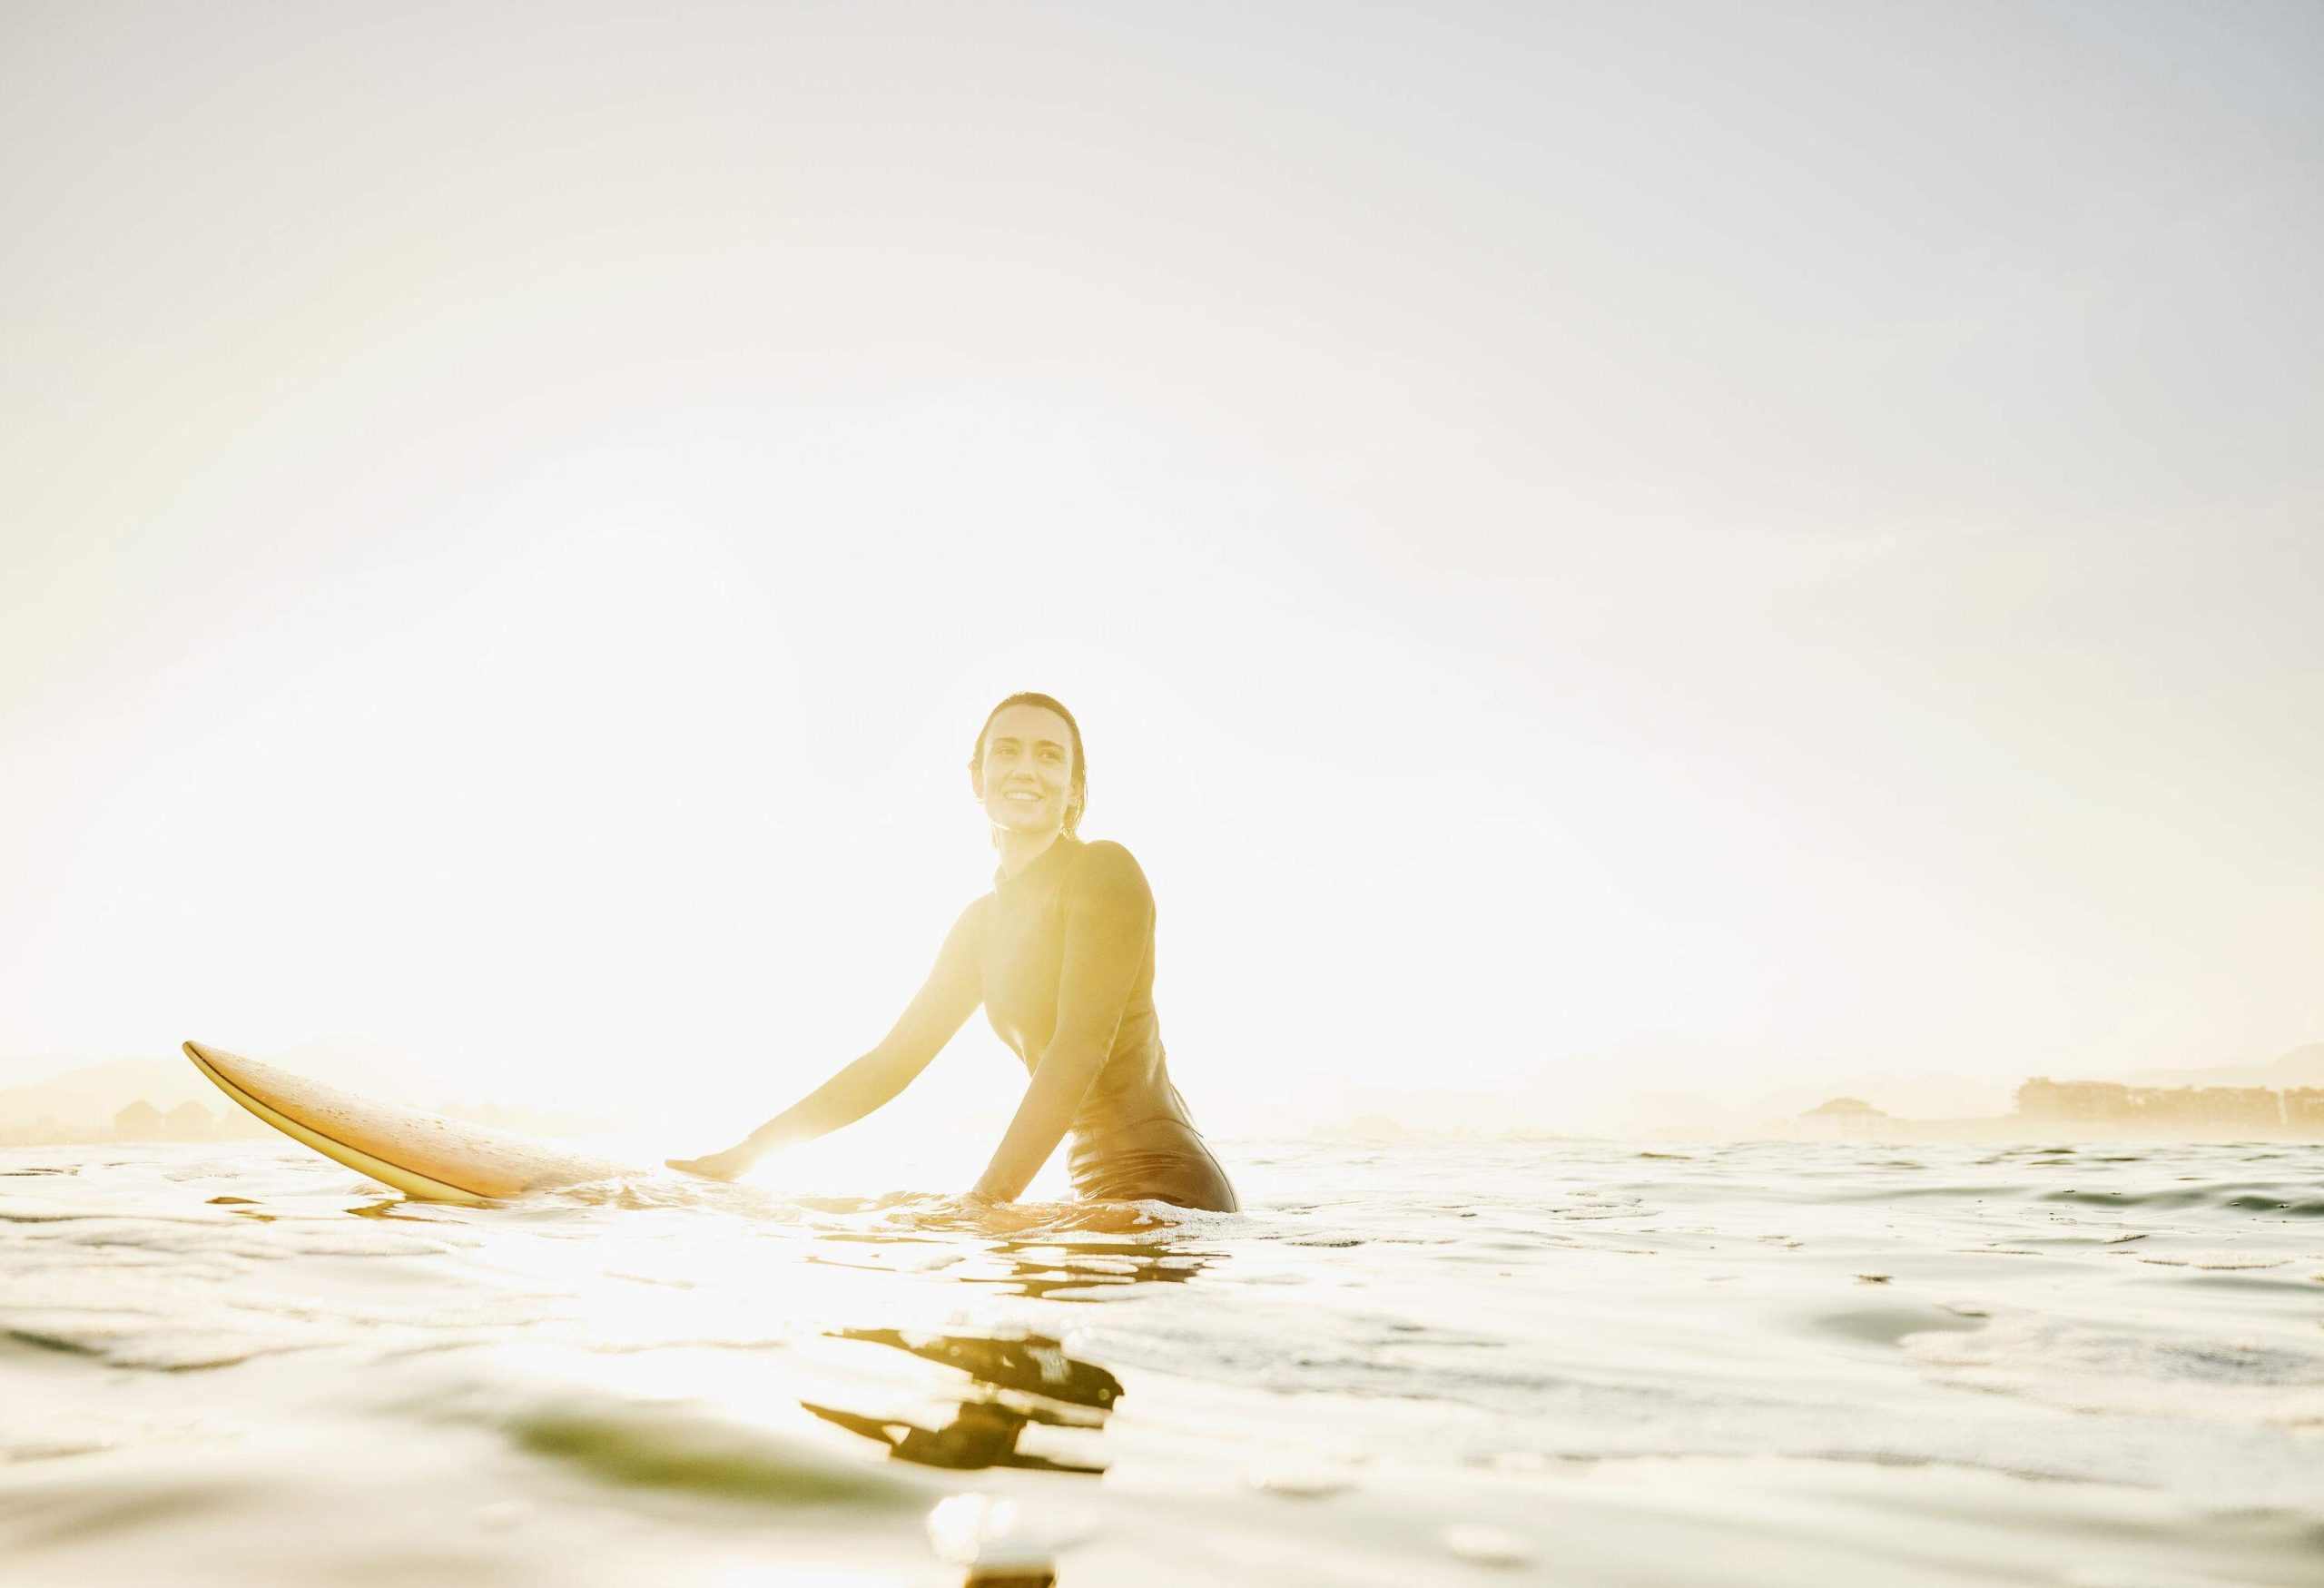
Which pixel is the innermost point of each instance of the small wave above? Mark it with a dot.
(669, 1447)
(682, 1445)
(2225, 1198)
(28, 1210)
(2094, 1369)
(156, 1344)
(1923, 1193)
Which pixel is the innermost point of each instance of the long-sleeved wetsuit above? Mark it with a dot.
(1069, 957)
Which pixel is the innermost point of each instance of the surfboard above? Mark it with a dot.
(426, 1157)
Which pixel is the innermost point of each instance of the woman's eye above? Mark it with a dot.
(1052, 756)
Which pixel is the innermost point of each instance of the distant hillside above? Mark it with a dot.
(2302, 1066)
(1906, 1097)
(1626, 1090)
(91, 1096)
(86, 1100)
(1649, 1086)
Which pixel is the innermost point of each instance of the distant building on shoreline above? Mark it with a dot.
(2098, 1104)
(2095, 1111)
(138, 1121)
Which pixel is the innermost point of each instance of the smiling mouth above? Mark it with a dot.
(1020, 798)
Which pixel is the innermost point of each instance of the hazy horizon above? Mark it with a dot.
(1677, 549)
(1538, 1102)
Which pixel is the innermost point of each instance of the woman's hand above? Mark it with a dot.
(735, 1160)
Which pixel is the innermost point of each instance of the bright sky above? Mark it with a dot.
(1638, 545)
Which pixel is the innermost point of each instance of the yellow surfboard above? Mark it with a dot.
(425, 1156)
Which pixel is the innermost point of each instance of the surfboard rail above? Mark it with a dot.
(427, 1157)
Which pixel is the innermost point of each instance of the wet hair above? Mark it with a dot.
(1078, 790)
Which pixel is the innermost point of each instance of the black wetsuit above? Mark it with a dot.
(1132, 1137)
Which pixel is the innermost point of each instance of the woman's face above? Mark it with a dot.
(1026, 775)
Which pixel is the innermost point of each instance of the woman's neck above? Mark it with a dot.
(1020, 850)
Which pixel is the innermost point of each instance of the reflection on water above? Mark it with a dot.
(1042, 1268)
(1398, 1370)
(1017, 1383)
(981, 1434)
(241, 1207)
(1034, 1366)
(1054, 1269)
(981, 1535)
(396, 1208)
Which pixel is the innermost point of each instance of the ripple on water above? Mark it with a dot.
(2148, 1373)
(1443, 1313)
(686, 1448)
(1885, 1326)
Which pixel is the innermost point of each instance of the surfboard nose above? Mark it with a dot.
(215, 1061)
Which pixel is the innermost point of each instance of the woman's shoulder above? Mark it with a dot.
(973, 922)
(1105, 868)
(1101, 857)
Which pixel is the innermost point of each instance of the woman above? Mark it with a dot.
(1062, 955)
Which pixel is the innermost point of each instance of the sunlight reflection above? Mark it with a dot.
(1019, 1384)
(998, 1544)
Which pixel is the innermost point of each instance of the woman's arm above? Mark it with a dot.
(945, 1000)
(1108, 931)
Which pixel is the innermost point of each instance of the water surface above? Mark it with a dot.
(1569, 1362)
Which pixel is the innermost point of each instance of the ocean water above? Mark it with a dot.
(1552, 1361)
